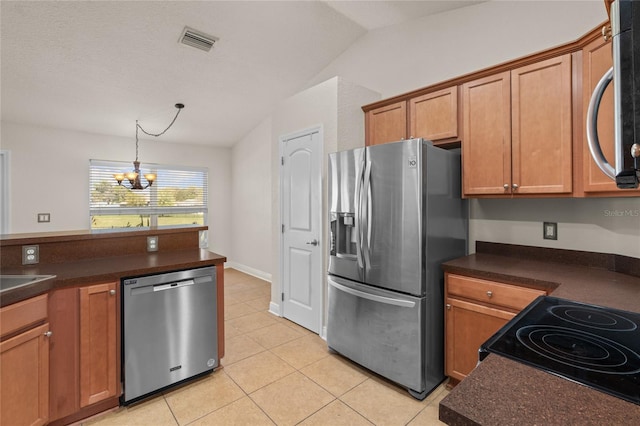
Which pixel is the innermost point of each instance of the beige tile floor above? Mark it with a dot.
(276, 372)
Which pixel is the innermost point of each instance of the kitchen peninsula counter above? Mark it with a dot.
(504, 392)
(81, 257)
(106, 269)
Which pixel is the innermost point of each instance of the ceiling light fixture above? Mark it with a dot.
(134, 176)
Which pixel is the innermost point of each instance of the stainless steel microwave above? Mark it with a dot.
(625, 31)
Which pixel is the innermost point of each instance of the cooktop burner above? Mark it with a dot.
(592, 345)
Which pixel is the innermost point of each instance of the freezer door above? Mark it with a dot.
(345, 207)
(380, 330)
(392, 221)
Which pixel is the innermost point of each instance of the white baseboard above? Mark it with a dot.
(249, 270)
(274, 309)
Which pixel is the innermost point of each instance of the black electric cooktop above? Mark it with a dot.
(593, 345)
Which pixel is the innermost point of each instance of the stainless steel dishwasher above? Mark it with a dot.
(169, 329)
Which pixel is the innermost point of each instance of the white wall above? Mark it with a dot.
(405, 57)
(50, 174)
(606, 225)
(251, 177)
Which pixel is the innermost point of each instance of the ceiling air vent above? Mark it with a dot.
(197, 39)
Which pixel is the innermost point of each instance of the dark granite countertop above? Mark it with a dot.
(105, 269)
(504, 392)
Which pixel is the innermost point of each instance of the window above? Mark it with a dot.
(178, 197)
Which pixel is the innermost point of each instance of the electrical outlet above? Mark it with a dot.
(44, 217)
(30, 255)
(203, 239)
(550, 230)
(152, 243)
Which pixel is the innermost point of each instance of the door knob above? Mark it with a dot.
(313, 243)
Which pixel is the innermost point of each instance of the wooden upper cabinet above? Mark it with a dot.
(517, 136)
(596, 61)
(386, 124)
(486, 135)
(98, 350)
(541, 134)
(434, 116)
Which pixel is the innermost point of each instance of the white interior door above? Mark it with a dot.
(301, 229)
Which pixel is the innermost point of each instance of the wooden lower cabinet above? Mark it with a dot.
(475, 309)
(98, 375)
(24, 382)
(469, 325)
(24, 363)
(85, 370)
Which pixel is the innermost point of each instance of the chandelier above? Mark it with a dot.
(133, 177)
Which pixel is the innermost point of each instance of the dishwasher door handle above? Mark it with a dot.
(162, 287)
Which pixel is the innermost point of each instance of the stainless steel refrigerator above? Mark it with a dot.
(395, 215)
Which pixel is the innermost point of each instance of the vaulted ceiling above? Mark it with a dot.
(97, 66)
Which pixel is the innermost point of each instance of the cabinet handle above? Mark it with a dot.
(489, 294)
(514, 186)
(505, 186)
(448, 307)
(606, 32)
(112, 292)
(48, 333)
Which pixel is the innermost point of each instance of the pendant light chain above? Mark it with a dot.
(138, 126)
(134, 177)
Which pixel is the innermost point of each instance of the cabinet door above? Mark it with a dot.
(467, 326)
(486, 136)
(434, 116)
(541, 127)
(98, 376)
(24, 379)
(387, 123)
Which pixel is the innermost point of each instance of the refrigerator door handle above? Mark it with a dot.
(367, 214)
(358, 217)
(372, 297)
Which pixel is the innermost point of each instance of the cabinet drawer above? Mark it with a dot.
(23, 314)
(509, 296)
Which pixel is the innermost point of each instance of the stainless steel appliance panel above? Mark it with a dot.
(169, 329)
(345, 187)
(624, 168)
(380, 330)
(392, 217)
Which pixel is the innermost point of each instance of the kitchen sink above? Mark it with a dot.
(9, 282)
